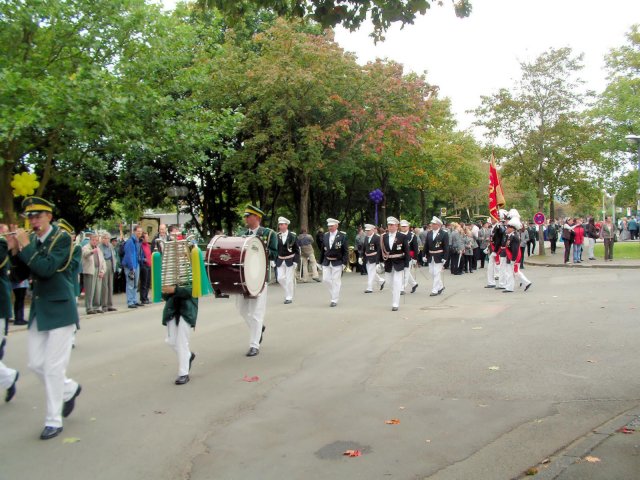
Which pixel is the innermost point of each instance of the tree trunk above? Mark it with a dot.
(6, 197)
(303, 212)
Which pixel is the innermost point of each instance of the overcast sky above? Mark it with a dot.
(478, 55)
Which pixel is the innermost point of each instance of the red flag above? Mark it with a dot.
(496, 197)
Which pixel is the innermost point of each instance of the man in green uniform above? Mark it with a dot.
(45, 256)
(8, 376)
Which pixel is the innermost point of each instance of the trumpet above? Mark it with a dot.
(352, 258)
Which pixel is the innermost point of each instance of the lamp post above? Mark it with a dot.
(635, 141)
(177, 193)
(604, 192)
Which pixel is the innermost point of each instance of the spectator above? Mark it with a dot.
(93, 270)
(567, 238)
(607, 233)
(633, 228)
(532, 238)
(360, 267)
(590, 233)
(470, 246)
(456, 249)
(624, 230)
(161, 237)
(19, 294)
(320, 239)
(484, 237)
(552, 235)
(145, 269)
(523, 233)
(308, 259)
(578, 240)
(131, 265)
(109, 254)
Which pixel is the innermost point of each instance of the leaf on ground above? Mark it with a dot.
(592, 459)
(626, 430)
(494, 367)
(476, 328)
(71, 440)
(531, 471)
(246, 378)
(401, 408)
(353, 453)
(393, 421)
(159, 412)
(591, 361)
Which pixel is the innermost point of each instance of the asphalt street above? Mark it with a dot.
(484, 385)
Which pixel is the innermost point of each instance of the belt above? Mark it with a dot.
(371, 254)
(436, 251)
(288, 257)
(396, 255)
(332, 258)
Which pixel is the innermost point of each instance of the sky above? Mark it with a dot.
(478, 55)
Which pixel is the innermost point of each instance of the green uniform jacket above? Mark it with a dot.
(5, 286)
(180, 304)
(53, 302)
(75, 266)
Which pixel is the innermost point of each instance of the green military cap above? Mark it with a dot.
(34, 205)
(63, 224)
(253, 210)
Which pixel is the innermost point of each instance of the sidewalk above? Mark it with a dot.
(610, 452)
(557, 260)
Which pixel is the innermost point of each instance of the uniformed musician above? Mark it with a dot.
(253, 309)
(45, 256)
(437, 251)
(394, 251)
(513, 254)
(496, 243)
(334, 259)
(371, 249)
(8, 376)
(288, 258)
(414, 251)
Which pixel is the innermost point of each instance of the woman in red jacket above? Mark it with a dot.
(578, 241)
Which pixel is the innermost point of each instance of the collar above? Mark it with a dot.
(45, 235)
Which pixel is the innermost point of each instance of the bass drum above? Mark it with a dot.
(236, 265)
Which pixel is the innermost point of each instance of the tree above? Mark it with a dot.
(545, 137)
(349, 13)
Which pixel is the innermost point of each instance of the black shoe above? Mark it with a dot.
(133, 306)
(499, 288)
(368, 291)
(413, 290)
(181, 380)
(111, 309)
(317, 280)
(70, 404)
(50, 432)
(11, 391)
(191, 359)
(146, 302)
(91, 312)
(333, 304)
(20, 322)
(253, 352)
(527, 287)
(262, 334)
(394, 309)
(402, 292)
(507, 291)
(287, 302)
(140, 304)
(490, 286)
(441, 290)
(220, 295)
(434, 294)
(382, 285)
(100, 311)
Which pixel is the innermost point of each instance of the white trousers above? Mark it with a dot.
(492, 269)
(408, 279)
(372, 275)
(396, 279)
(521, 278)
(253, 311)
(509, 276)
(502, 272)
(7, 376)
(49, 354)
(178, 335)
(435, 269)
(333, 277)
(591, 242)
(286, 278)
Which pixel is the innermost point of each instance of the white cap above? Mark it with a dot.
(332, 221)
(515, 223)
(368, 226)
(392, 221)
(503, 214)
(436, 220)
(283, 220)
(513, 213)
(404, 223)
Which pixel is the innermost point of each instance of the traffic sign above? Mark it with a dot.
(538, 218)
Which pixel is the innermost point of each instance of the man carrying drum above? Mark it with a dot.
(254, 309)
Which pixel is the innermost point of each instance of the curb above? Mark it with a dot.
(562, 265)
(561, 460)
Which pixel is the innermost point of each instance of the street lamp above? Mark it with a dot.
(177, 192)
(635, 141)
(604, 192)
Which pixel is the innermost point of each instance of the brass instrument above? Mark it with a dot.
(352, 258)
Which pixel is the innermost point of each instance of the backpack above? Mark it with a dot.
(121, 250)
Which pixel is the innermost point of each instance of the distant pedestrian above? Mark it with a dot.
(578, 241)
(607, 233)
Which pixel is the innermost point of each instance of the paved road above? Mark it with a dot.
(484, 384)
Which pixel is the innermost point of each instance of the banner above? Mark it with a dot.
(496, 196)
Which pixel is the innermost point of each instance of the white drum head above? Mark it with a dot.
(255, 266)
